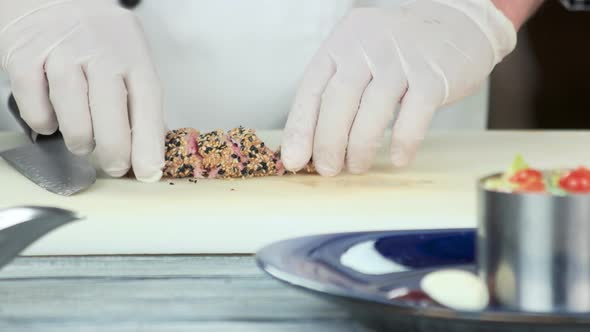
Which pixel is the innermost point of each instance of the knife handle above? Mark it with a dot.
(31, 134)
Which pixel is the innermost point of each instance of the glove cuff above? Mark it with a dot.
(495, 25)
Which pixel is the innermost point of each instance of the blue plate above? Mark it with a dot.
(314, 264)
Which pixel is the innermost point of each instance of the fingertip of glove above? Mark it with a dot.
(403, 150)
(399, 160)
(117, 172)
(150, 178)
(358, 162)
(81, 150)
(45, 129)
(291, 165)
(327, 171)
(291, 160)
(400, 156)
(357, 168)
(148, 173)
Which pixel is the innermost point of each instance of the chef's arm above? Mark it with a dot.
(518, 11)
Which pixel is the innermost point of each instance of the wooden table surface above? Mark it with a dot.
(156, 293)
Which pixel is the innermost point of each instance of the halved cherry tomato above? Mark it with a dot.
(526, 176)
(533, 186)
(583, 170)
(416, 297)
(577, 181)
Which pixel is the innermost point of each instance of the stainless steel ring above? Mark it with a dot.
(533, 250)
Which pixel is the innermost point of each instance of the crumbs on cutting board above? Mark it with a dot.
(196, 181)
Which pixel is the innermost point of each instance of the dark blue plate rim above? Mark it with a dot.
(288, 261)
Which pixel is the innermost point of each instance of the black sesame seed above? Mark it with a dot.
(244, 172)
(262, 144)
(234, 156)
(221, 172)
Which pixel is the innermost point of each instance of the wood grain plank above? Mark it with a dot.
(156, 293)
(82, 266)
(319, 326)
(181, 298)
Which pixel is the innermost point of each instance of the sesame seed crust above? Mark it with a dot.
(239, 153)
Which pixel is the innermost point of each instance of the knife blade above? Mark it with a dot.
(22, 226)
(47, 162)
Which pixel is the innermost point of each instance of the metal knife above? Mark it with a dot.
(47, 162)
(22, 226)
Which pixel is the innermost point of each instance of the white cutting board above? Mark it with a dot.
(220, 216)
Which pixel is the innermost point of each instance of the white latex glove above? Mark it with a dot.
(84, 65)
(424, 54)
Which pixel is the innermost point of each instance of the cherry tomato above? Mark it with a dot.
(526, 176)
(577, 181)
(534, 186)
(416, 297)
(583, 170)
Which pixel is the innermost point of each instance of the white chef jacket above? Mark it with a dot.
(225, 63)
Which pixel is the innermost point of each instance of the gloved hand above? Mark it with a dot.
(424, 54)
(84, 65)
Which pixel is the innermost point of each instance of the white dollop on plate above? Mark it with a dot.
(364, 258)
(456, 289)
